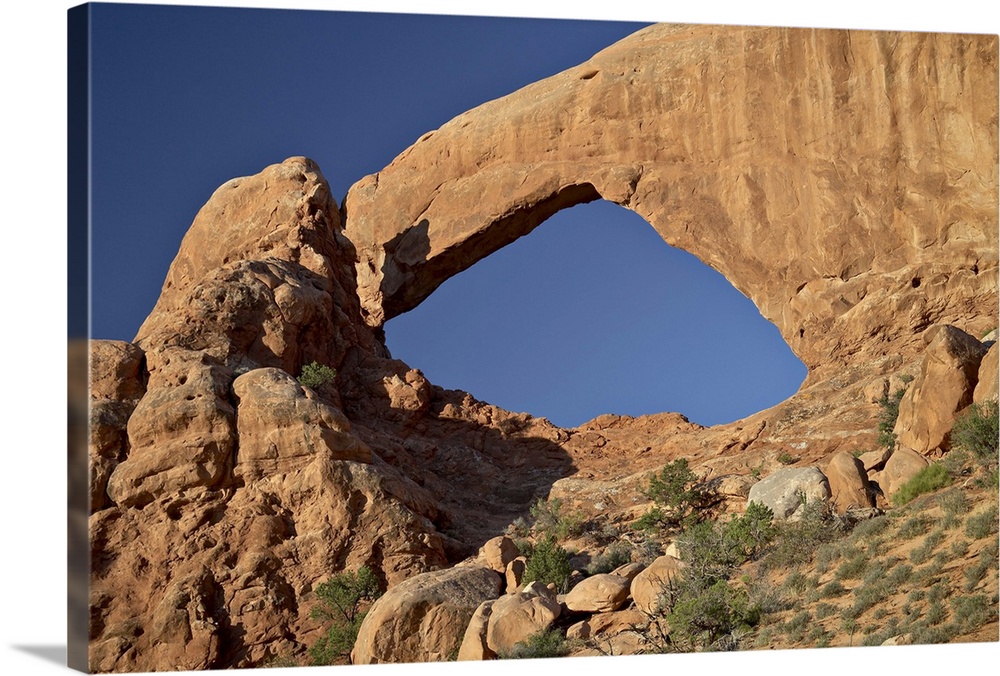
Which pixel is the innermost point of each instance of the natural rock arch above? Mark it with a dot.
(845, 181)
(592, 313)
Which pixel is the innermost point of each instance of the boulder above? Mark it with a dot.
(424, 618)
(647, 587)
(849, 485)
(600, 593)
(499, 552)
(874, 461)
(629, 570)
(785, 491)
(517, 616)
(986, 386)
(902, 465)
(943, 387)
(607, 624)
(474, 641)
(515, 573)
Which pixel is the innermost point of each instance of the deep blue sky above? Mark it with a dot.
(591, 313)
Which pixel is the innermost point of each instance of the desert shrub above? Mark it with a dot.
(832, 589)
(340, 602)
(550, 520)
(982, 523)
(548, 564)
(888, 413)
(928, 479)
(713, 550)
(974, 574)
(280, 662)
(920, 554)
(798, 583)
(972, 612)
(677, 497)
(703, 617)
(938, 592)
(899, 575)
(766, 596)
(877, 570)
(953, 503)
(826, 555)
(702, 609)
(914, 526)
(977, 432)
(798, 622)
(316, 375)
(614, 556)
(797, 542)
(786, 458)
(936, 613)
(924, 634)
(870, 528)
(868, 595)
(545, 643)
(852, 568)
(824, 610)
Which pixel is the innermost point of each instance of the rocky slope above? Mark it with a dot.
(847, 182)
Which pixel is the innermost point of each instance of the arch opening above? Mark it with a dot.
(592, 313)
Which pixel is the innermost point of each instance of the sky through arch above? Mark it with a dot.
(594, 313)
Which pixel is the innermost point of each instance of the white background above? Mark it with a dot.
(33, 329)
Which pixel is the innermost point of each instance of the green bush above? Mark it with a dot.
(853, 568)
(713, 551)
(548, 564)
(888, 413)
(914, 526)
(977, 432)
(676, 495)
(550, 520)
(316, 375)
(614, 556)
(798, 542)
(832, 589)
(341, 598)
(700, 617)
(982, 523)
(920, 554)
(545, 643)
(972, 612)
(928, 479)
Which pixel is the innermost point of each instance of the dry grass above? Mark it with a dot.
(922, 573)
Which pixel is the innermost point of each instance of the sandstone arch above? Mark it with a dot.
(845, 181)
(568, 321)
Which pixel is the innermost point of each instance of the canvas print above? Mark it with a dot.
(287, 456)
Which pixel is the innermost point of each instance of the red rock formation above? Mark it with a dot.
(845, 181)
(853, 201)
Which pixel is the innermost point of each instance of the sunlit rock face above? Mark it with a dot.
(845, 181)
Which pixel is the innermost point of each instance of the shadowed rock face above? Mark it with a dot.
(845, 181)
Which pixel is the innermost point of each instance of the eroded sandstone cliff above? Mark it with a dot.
(845, 181)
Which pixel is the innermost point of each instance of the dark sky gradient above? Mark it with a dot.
(591, 313)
